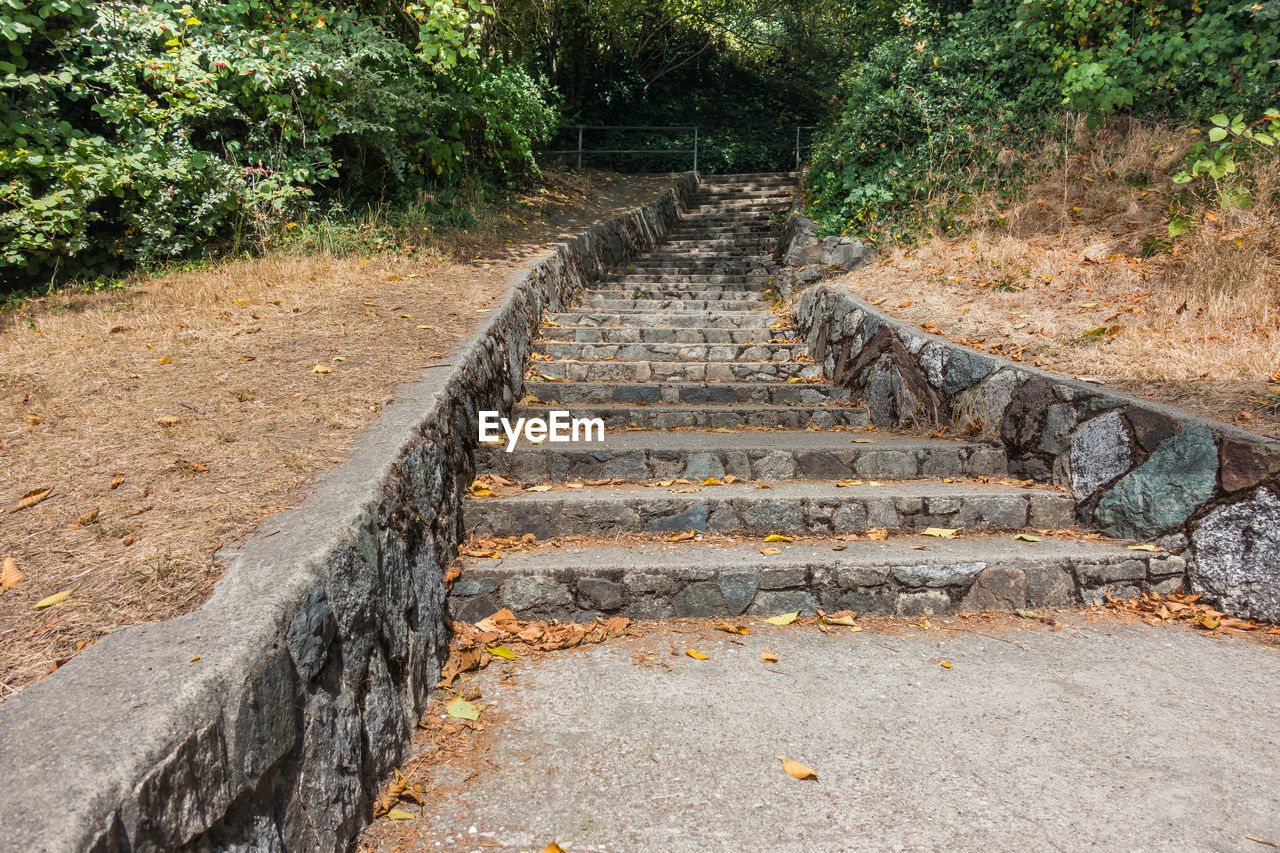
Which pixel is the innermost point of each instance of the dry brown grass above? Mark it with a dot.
(1063, 284)
(185, 409)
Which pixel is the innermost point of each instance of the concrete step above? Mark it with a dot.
(748, 455)
(672, 351)
(784, 507)
(662, 335)
(674, 319)
(677, 304)
(669, 416)
(906, 575)
(676, 371)
(697, 393)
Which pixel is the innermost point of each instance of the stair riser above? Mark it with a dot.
(673, 352)
(756, 281)
(651, 291)
(678, 371)
(552, 463)
(661, 510)
(676, 320)
(675, 417)
(720, 394)
(623, 335)
(680, 305)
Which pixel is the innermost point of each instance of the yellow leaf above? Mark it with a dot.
(1145, 546)
(846, 619)
(1208, 622)
(732, 629)
(34, 419)
(461, 709)
(796, 770)
(481, 493)
(769, 552)
(553, 848)
(56, 598)
(784, 619)
(777, 537)
(502, 652)
(165, 360)
(769, 657)
(538, 489)
(695, 655)
(10, 575)
(399, 814)
(684, 536)
(942, 532)
(171, 420)
(863, 441)
(322, 368)
(687, 491)
(710, 481)
(31, 498)
(944, 664)
(89, 517)
(1026, 537)
(838, 547)
(877, 534)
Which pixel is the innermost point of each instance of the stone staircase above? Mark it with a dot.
(718, 422)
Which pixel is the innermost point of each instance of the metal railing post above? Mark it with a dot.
(580, 147)
(797, 147)
(695, 148)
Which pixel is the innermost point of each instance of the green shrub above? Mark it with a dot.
(137, 133)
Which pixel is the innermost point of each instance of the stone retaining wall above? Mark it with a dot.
(1137, 469)
(266, 719)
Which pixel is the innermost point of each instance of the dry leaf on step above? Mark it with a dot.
(769, 552)
(695, 654)
(769, 657)
(796, 770)
(31, 498)
(784, 618)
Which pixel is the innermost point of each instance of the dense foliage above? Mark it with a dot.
(944, 99)
(133, 133)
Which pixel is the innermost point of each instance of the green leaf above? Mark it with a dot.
(461, 709)
(1217, 134)
(1220, 120)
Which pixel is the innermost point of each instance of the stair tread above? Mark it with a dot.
(779, 491)
(790, 440)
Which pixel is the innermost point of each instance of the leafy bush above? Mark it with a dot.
(135, 133)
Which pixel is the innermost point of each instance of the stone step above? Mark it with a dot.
(697, 393)
(694, 230)
(625, 290)
(665, 335)
(692, 262)
(758, 279)
(747, 455)
(701, 255)
(784, 507)
(906, 575)
(677, 371)
(643, 291)
(574, 350)
(672, 304)
(651, 269)
(674, 319)
(762, 243)
(668, 416)
(737, 207)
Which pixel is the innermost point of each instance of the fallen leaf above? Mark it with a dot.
(687, 491)
(322, 368)
(89, 517)
(461, 709)
(538, 489)
(784, 618)
(863, 441)
(942, 532)
(1145, 546)
(553, 848)
(877, 534)
(10, 575)
(1208, 621)
(31, 498)
(769, 657)
(399, 814)
(56, 598)
(944, 664)
(501, 651)
(165, 360)
(843, 618)
(777, 537)
(769, 552)
(710, 481)
(732, 629)
(796, 770)
(684, 536)
(1026, 537)
(117, 480)
(695, 654)
(838, 547)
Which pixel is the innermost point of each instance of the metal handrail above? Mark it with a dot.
(799, 147)
(585, 127)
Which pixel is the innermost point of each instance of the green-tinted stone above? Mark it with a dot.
(1158, 496)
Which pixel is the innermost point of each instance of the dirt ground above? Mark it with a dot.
(169, 418)
(1080, 276)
